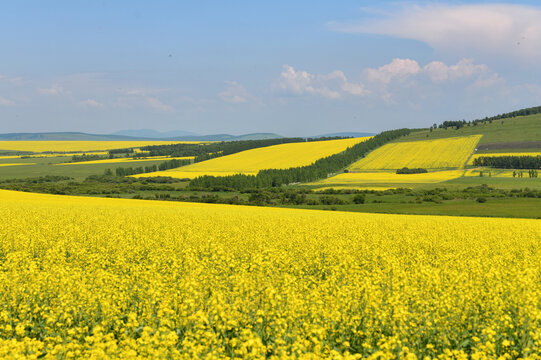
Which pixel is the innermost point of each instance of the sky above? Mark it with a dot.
(296, 68)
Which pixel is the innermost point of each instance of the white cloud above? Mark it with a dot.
(55, 90)
(397, 69)
(506, 30)
(158, 105)
(391, 78)
(6, 102)
(331, 86)
(465, 68)
(234, 93)
(91, 103)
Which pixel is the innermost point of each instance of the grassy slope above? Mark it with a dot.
(524, 128)
(45, 166)
(520, 208)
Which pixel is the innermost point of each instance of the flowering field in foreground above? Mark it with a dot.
(429, 154)
(249, 162)
(100, 278)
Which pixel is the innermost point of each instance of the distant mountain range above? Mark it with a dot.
(79, 136)
(346, 134)
(73, 136)
(147, 134)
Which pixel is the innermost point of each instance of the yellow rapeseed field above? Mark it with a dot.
(388, 177)
(131, 279)
(489, 172)
(470, 162)
(122, 160)
(428, 154)
(249, 162)
(15, 164)
(67, 146)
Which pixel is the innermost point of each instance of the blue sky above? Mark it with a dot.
(294, 68)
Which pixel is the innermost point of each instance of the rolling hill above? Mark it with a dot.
(428, 154)
(249, 162)
(511, 131)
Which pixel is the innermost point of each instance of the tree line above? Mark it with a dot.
(170, 164)
(317, 170)
(406, 170)
(208, 151)
(509, 162)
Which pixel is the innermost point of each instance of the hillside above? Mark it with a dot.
(428, 154)
(513, 130)
(249, 162)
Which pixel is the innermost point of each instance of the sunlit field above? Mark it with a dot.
(249, 162)
(109, 278)
(16, 164)
(499, 173)
(67, 146)
(128, 159)
(429, 154)
(390, 177)
(470, 162)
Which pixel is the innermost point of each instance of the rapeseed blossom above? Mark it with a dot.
(428, 154)
(131, 279)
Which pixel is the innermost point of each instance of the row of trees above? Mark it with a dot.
(317, 170)
(405, 170)
(531, 173)
(86, 157)
(204, 152)
(170, 164)
(210, 150)
(509, 162)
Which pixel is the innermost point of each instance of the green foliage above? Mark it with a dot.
(359, 199)
(169, 164)
(509, 162)
(405, 170)
(85, 157)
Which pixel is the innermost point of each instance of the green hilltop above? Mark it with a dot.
(522, 129)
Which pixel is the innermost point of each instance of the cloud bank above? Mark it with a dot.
(506, 30)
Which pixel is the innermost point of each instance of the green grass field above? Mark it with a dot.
(521, 208)
(45, 166)
(519, 129)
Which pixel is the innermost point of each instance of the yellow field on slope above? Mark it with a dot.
(123, 160)
(381, 177)
(475, 156)
(52, 155)
(249, 162)
(66, 146)
(489, 172)
(15, 164)
(428, 154)
(110, 278)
